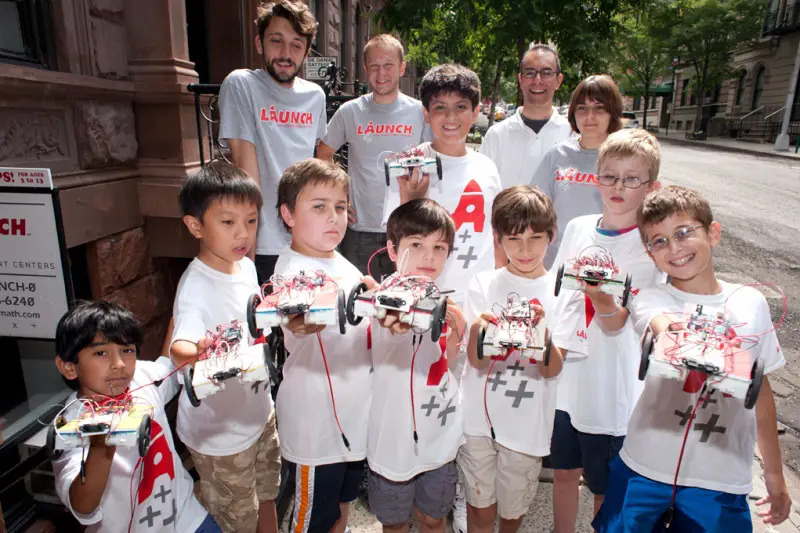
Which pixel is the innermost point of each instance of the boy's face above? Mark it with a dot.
(319, 219)
(592, 118)
(420, 255)
(450, 116)
(384, 68)
(283, 51)
(104, 368)
(686, 254)
(525, 252)
(619, 200)
(227, 232)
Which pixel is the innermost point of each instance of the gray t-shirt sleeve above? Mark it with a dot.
(236, 117)
(322, 120)
(335, 137)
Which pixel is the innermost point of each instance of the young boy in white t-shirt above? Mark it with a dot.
(415, 418)
(509, 401)
(687, 460)
(451, 99)
(97, 346)
(231, 434)
(598, 386)
(324, 398)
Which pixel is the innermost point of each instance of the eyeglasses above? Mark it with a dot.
(585, 109)
(681, 234)
(628, 183)
(545, 73)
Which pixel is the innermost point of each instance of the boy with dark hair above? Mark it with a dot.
(415, 430)
(97, 345)
(323, 402)
(598, 388)
(670, 471)
(509, 402)
(231, 434)
(269, 117)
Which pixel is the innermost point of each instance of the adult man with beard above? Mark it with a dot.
(270, 118)
(518, 144)
(375, 125)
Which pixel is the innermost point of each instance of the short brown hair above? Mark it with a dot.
(311, 171)
(602, 89)
(632, 142)
(450, 78)
(521, 207)
(541, 47)
(384, 40)
(673, 200)
(297, 13)
(422, 216)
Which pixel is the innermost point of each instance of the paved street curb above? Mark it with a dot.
(705, 145)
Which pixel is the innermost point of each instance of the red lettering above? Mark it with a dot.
(470, 208)
(591, 179)
(295, 117)
(283, 117)
(408, 129)
(12, 226)
(264, 116)
(7, 176)
(157, 462)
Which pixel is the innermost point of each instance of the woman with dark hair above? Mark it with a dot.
(567, 173)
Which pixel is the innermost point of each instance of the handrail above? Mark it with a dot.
(750, 113)
(775, 112)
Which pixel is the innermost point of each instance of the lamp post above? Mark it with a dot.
(675, 62)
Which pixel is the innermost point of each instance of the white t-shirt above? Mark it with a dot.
(599, 382)
(283, 123)
(392, 452)
(517, 150)
(306, 421)
(231, 420)
(521, 402)
(373, 131)
(164, 501)
(719, 448)
(467, 190)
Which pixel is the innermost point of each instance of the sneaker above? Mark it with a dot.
(460, 510)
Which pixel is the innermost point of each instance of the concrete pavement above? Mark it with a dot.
(727, 145)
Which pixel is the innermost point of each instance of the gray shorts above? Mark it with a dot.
(431, 492)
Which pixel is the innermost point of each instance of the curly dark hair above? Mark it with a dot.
(450, 78)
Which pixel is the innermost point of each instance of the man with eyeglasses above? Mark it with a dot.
(518, 144)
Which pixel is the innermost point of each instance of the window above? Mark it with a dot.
(684, 91)
(637, 103)
(344, 24)
(313, 6)
(25, 33)
(740, 87)
(758, 88)
(652, 102)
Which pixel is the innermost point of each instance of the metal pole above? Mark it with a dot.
(782, 142)
(672, 98)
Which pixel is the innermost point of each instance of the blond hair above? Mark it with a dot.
(631, 143)
(384, 40)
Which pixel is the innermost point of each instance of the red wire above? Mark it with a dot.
(413, 404)
(485, 406)
(330, 387)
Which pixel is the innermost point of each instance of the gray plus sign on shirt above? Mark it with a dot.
(430, 406)
(150, 516)
(709, 427)
(496, 381)
(519, 394)
(446, 411)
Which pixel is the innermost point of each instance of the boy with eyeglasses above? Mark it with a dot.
(598, 387)
(694, 473)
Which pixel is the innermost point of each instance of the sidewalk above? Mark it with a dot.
(728, 145)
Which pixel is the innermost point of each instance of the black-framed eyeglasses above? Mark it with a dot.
(629, 183)
(681, 234)
(545, 73)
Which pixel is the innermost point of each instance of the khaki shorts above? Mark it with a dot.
(232, 486)
(494, 474)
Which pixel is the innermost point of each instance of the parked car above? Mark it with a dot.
(510, 110)
(499, 112)
(629, 120)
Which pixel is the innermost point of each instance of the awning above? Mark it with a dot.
(665, 89)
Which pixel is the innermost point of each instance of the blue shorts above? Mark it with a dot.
(318, 492)
(636, 504)
(570, 449)
(209, 525)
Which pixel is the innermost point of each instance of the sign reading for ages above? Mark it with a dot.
(33, 290)
(315, 67)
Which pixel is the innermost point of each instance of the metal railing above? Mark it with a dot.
(211, 118)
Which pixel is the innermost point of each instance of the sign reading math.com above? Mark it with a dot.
(33, 290)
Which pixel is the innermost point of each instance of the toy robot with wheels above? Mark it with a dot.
(226, 357)
(313, 294)
(705, 342)
(594, 266)
(517, 328)
(401, 164)
(416, 299)
(124, 422)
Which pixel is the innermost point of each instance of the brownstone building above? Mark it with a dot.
(96, 91)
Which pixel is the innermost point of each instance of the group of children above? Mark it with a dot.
(390, 395)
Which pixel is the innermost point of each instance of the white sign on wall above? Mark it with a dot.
(315, 67)
(33, 290)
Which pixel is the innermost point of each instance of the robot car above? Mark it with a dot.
(517, 328)
(596, 268)
(401, 163)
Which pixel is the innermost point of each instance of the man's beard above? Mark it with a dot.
(387, 90)
(283, 78)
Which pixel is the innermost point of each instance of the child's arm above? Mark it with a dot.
(458, 328)
(413, 185)
(472, 344)
(611, 315)
(777, 497)
(85, 494)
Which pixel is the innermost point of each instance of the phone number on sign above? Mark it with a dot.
(26, 301)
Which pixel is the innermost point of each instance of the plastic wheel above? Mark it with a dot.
(386, 171)
(252, 303)
(341, 305)
(188, 375)
(51, 442)
(439, 166)
(439, 314)
(559, 277)
(352, 319)
(756, 376)
(627, 292)
(143, 438)
(647, 348)
(548, 346)
(481, 337)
